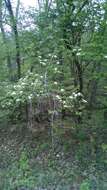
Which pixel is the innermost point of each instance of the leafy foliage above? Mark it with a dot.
(53, 82)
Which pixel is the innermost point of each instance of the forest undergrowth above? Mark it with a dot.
(74, 159)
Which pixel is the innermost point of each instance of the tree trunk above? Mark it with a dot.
(93, 87)
(5, 42)
(16, 36)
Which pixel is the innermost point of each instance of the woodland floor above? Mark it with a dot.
(74, 159)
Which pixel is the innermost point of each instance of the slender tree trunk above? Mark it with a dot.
(77, 72)
(15, 30)
(5, 42)
(79, 75)
(94, 87)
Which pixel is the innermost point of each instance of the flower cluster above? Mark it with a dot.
(73, 101)
(24, 90)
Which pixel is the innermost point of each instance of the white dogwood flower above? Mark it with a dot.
(41, 77)
(17, 100)
(62, 90)
(55, 83)
(71, 97)
(13, 93)
(55, 69)
(78, 53)
(58, 97)
(84, 101)
(21, 92)
(42, 63)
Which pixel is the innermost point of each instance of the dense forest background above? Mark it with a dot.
(53, 95)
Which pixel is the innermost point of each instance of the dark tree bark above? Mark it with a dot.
(5, 42)
(93, 88)
(75, 34)
(78, 72)
(15, 31)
